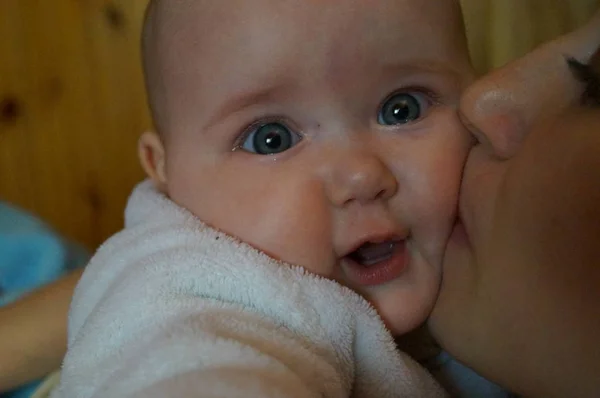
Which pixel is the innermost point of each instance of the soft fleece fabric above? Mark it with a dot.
(172, 308)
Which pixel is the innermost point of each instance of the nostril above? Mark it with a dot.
(381, 194)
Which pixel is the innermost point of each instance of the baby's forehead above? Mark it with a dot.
(202, 43)
(211, 24)
(218, 14)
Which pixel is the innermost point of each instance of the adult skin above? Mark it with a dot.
(33, 333)
(520, 296)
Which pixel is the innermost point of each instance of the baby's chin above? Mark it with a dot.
(404, 306)
(399, 323)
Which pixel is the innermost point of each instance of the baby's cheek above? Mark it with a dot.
(450, 156)
(437, 199)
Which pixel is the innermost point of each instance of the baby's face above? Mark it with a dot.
(323, 133)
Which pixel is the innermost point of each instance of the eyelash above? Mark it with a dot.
(588, 76)
(432, 97)
(239, 141)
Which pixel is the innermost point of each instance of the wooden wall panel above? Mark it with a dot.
(72, 103)
(501, 30)
(73, 106)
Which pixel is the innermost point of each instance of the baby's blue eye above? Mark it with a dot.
(270, 139)
(401, 108)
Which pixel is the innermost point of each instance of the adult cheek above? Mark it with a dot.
(537, 279)
(451, 321)
(454, 313)
(470, 308)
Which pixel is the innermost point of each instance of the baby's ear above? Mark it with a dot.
(152, 158)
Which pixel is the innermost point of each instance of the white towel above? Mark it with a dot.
(172, 308)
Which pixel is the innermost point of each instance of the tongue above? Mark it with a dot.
(373, 253)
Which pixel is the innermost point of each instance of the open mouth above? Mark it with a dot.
(372, 253)
(376, 263)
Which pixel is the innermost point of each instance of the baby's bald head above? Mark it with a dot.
(180, 33)
(289, 124)
(154, 24)
(163, 23)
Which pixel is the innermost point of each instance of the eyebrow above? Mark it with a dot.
(423, 66)
(241, 101)
(595, 61)
(589, 75)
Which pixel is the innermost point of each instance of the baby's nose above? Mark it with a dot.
(359, 175)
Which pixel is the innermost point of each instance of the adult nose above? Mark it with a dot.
(501, 108)
(358, 174)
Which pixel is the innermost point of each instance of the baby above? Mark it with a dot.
(322, 134)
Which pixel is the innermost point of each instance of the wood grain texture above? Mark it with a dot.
(72, 103)
(73, 106)
(502, 30)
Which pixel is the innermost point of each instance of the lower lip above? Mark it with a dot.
(380, 273)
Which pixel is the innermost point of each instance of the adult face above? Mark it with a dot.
(521, 286)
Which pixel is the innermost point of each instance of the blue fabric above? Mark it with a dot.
(31, 255)
(22, 392)
(461, 381)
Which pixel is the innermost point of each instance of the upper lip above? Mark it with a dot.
(380, 237)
